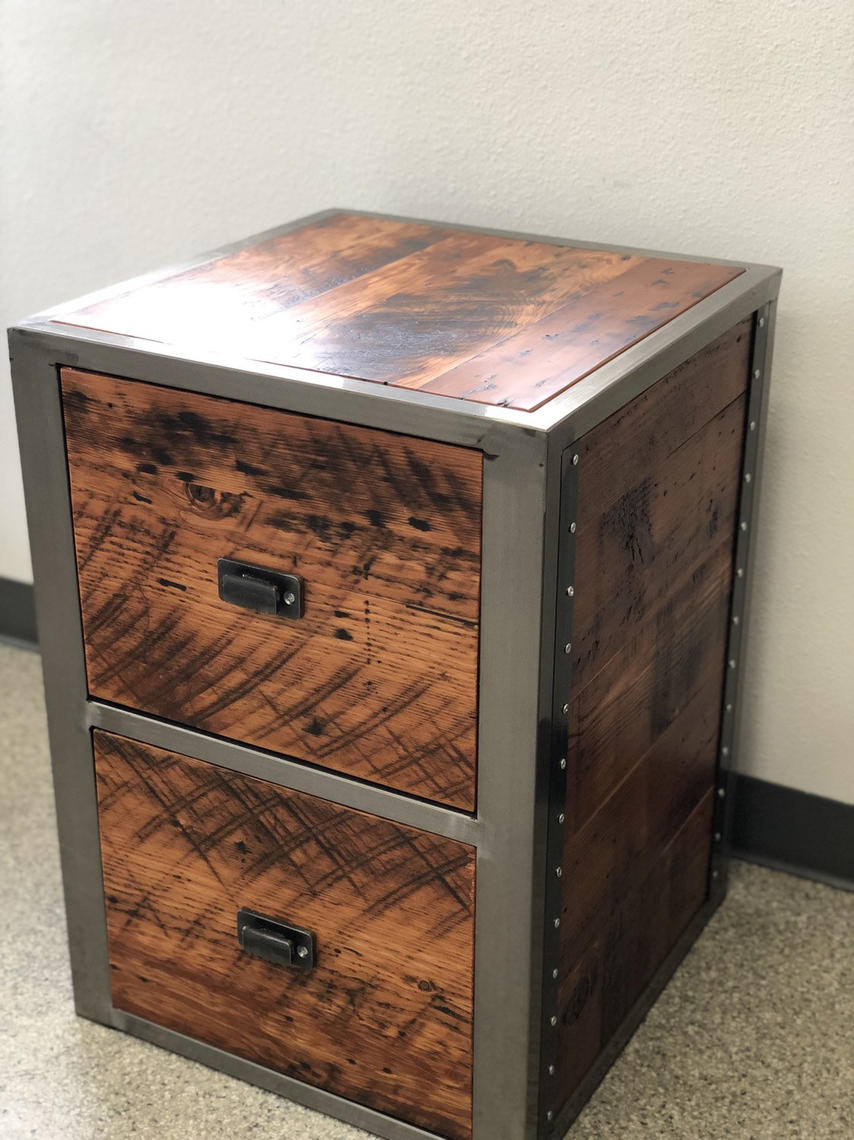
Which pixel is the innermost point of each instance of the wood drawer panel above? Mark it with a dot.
(378, 680)
(385, 1016)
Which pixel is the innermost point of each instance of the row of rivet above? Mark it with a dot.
(557, 798)
(737, 606)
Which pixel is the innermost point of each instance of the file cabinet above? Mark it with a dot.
(392, 582)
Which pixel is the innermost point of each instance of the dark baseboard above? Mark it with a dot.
(793, 831)
(17, 613)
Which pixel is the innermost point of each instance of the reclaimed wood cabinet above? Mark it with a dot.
(392, 582)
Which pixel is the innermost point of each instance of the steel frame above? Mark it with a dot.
(522, 725)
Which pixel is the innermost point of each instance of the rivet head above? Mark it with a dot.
(551, 1070)
(302, 951)
(721, 793)
(559, 872)
(561, 817)
(550, 1115)
(724, 751)
(747, 476)
(552, 1020)
(575, 461)
(753, 425)
(743, 525)
(555, 974)
(572, 528)
(718, 837)
(715, 874)
(762, 322)
(570, 591)
(557, 923)
(565, 709)
(568, 647)
(729, 708)
(562, 762)
(757, 372)
(739, 573)
(735, 619)
(732, 662)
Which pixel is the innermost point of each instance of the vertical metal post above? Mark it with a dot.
(517, 606)
(732, 711)
(42, 441)
(559, 761)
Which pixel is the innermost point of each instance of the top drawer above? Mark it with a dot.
(378, 678)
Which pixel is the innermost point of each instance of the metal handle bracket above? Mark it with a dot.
(275, 941)
(258, 589)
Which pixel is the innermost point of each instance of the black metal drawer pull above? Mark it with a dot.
(275, 941)
(254, 588)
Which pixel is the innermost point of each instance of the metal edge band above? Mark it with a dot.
(308, 1095)
(380, 406)
(285, 772)
(565, 596)
(754, 434)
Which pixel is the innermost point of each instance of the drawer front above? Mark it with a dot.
(384, 1017)
(378, 678)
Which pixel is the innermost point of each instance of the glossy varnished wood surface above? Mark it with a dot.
(479, 317)
(378, 680)
(658, 487)
(385, 1017)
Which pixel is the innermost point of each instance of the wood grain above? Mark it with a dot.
(379, 678)
(385, 1017)
(658, 486)
(454, 312)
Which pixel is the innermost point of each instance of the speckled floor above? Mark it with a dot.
(753, 1038)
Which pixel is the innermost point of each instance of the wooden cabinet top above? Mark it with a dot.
(457, 312)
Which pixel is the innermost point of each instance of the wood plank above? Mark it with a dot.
(225, 300)
(599, 321)
(457, 312)
(664, 662)
(384, 1018)
(642, 435)
(379, 678)
(414, 319)
(654, 537)
(612, 853)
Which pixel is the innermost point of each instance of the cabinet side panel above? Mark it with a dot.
(658, 486)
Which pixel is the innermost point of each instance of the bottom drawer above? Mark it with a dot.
(383, 1017)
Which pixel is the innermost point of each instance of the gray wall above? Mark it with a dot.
(135, 134)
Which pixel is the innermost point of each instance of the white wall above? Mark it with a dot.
(135, 134)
